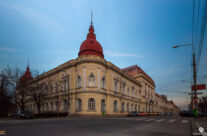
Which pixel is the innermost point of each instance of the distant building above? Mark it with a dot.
(202, 105)
(90, 85)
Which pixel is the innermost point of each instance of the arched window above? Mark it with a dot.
(122, 107)
(115, 106)
(79, 82)
(78, 104)
(56, 106)
(34, 107)
(56, 87)
(30, 107)
(65, 105)
(65, 85)
(123, 88)
(91, 80)
(46, 107)
(103, 83)
(115, 86)
(127, 107)
(128, 91)
(91, 104)
(135, 107)
(132, 106)
(103, 105)
(139, 108)
(51, 106)
(43, 107)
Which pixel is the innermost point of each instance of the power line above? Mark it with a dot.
(203, 28)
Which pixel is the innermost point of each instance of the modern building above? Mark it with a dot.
(90, 85)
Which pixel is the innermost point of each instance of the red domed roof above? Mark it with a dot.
(91, 46)
(26, 77)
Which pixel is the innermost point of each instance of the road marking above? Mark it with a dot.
(160, 120)
(171, 121)
(149, 119)
(184, 121)
(140, 119)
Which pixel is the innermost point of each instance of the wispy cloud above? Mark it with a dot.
(37, 16)
(7, 49)
(118, 54)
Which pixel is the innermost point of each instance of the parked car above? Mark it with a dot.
(142, 113)
(169, 113)
(24, 114)
(186, 113)
(133, 114)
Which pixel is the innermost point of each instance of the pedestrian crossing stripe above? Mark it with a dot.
(171, 121)
(184, 121)
(149, 119)
(160, 120)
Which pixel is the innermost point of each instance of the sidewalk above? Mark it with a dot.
(199, 126)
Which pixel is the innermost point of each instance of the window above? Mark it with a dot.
(34, 107)
(51, 88)
(79, 82)
(56, 106)
(46, 107)
(78, 104)
(122, 107)
(91, 104)
(132, 107)
(91, 80)
(51, 106)
(115, 106)
(65, 84)
(65, 105)
(139, 108)
(132, 91)
(123, 88)
(103, 105)
(103, 83)
(56, 87)
(116, 86)
(136, 93)
(127, 107)
(128, 91)
(135, 107)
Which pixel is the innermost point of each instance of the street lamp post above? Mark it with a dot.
(194, 98)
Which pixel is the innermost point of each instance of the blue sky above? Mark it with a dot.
(140, 32)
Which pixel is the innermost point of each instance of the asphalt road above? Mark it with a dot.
(170, 125)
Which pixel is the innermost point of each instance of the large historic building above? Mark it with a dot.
(90, 85)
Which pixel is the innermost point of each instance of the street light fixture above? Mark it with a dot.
(193, 94)
(176, 46)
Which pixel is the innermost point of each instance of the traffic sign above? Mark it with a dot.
(194, 93)
(199, 87)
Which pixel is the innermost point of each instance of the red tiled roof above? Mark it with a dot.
(133, 70)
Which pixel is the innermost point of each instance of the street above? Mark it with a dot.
(125, 126)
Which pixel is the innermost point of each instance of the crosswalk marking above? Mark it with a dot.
(149, 119)
(184, 121)
(140, 119)
(160, 120)
(171, 121)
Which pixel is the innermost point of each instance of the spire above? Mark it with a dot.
(91, 34)
(91, 18)
(28, 63)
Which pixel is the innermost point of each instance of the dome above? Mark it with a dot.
(91, 46)
(26, 77)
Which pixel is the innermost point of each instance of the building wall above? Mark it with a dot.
(85, 81)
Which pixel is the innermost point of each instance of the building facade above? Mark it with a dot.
(90, 85)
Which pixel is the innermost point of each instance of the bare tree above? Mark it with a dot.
(9, 78)
(38, 93)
